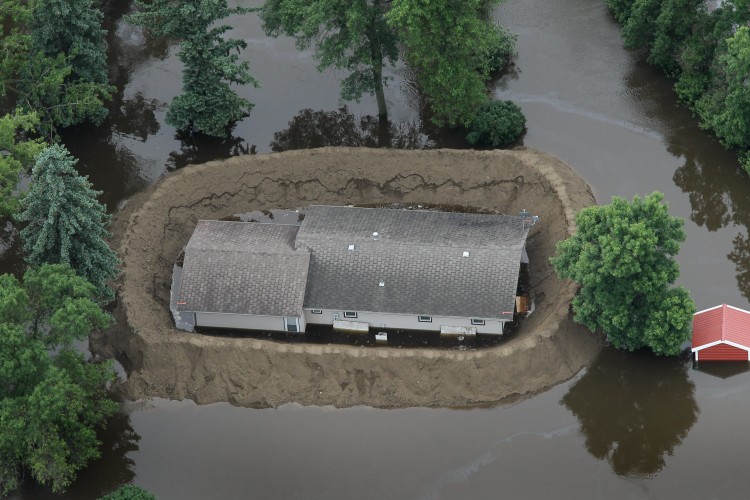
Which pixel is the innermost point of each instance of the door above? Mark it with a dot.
(291, 323)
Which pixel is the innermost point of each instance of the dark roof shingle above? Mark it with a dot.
(244, 268)
(419, 256)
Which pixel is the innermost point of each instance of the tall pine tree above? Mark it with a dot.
(73, 28)
(66, 223)
(207, 104)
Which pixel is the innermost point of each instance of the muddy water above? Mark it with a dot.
(631, 426)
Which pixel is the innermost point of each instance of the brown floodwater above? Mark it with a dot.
(629, 426)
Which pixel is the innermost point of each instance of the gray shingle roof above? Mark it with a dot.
(244, 268)
(419, 256)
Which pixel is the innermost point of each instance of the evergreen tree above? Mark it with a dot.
(348, 35)
(66, 223)
(73, 28)
(51, 399)
(207, 104)
(44, 84)
(622, 256)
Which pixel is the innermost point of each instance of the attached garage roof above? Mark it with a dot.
(722, 324)
(244, 268)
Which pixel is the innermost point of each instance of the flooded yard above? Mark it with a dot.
(628, 426)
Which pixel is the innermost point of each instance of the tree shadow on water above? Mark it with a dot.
(634, 409)
(315, 129)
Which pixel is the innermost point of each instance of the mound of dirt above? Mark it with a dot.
(154, 226)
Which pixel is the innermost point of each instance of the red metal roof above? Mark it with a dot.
(721, 324)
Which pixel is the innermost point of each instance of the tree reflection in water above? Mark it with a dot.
(634, 409)
(199, 148)
(315, 129)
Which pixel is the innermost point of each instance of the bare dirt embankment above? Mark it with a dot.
(156, 224)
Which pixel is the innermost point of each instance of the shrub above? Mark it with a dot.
(498, 123)
(129, 492)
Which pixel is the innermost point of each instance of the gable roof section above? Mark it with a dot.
(244, 268)
(419, 256)
(722, 324)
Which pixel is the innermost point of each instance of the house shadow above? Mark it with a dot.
(634, 409)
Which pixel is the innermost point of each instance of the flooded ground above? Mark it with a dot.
(631, 426)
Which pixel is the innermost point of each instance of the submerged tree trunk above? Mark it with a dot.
(379, 94)
(376, 51)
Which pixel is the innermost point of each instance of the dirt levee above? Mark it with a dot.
(162, 361)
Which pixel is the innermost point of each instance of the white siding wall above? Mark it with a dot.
(244, 321)
(403, 321)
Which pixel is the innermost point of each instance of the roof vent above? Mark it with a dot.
(382, 283)
(466, 254)
(375, 236)
(351, 247)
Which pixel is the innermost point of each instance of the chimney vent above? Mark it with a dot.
(375, 236)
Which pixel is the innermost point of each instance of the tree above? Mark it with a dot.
(66, 223)
(662, 26)
(348, 35)
(497, 124)
(207, 104)
(447, 43)
(622, 257)
(51, 399)
(19, 154)
(43, 84)
(129, 492)
(726, 108)
(73, 28)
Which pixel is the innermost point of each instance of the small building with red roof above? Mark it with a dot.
(721, 333)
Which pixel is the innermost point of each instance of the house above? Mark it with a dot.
(721, 333)
(356, 269)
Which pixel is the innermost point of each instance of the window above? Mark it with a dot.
(425, 319)
(291, 324)
(317, 311)
(477, 322)
(350, 314)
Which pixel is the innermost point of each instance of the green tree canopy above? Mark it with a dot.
(66, 223)
(348, 35)
(51, 399)
(129, 492)
(449, 43)
(73, 28)
(44, 84)
(661, 26)
(207, 104)
(497, 124)
(16, 156)
(703, 46)
(726, 108)
(622, 256)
